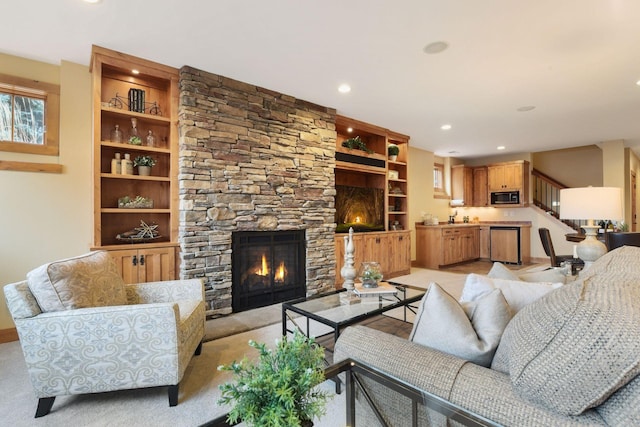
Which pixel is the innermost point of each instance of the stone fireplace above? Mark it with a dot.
(252, 160)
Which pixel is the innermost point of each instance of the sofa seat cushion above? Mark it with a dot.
(517, 293)
(90, 280)
(574, 347)
(470, 331)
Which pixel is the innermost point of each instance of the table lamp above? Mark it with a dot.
(591, 203)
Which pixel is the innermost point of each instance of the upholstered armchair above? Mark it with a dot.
(82, 330)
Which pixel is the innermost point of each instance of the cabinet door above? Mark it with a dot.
(375, 249)
(480, 189)
(156, 264)
(484, 243)
(127, 263)
(495, 177)
(504, 245)
(513, 176)
(400, 254)
(470, 242)
(451, 248)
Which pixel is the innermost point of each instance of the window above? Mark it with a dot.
(29, 116)
(438, 181)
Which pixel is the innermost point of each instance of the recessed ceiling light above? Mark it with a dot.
(435, 47)
(445, 127)
(349, 130)
(344, 88)
(134, 71)
(526, 108)
(500, 147)
(453, 152)
(638, 82)
(92, 1)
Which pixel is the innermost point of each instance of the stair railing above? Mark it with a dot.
(546, 196)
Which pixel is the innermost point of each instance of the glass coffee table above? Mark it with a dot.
(328, 310)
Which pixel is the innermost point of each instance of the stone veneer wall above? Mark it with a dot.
(252, 159)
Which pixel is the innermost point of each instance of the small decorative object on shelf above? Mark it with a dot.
(139, 202)
(280, 388)
(394, 175)
(126, 165)
(151, 139)
(356, 143)
(144, 233)
(116, 134)
(136, 100)
(393, 150)
(144, 164)
(348, 271)
(116, 165)
(134, 135)
(370, 274)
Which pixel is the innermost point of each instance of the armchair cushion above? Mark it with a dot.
(90, 280)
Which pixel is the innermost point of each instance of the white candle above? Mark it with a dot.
(575, 251)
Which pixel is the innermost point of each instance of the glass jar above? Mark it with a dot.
(151, 139)
(116, 134)
(370, 274)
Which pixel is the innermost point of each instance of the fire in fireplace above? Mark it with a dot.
(267, 267)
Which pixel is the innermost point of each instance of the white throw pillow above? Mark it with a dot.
(517, 293)
(500, 271)
(470, 331)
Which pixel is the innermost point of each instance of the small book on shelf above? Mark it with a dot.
(383, 288)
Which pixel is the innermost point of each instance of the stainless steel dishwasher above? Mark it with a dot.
(505, 244)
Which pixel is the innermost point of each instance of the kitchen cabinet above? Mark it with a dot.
(480, 187)
(461, 185)
(145, 265)
(438, 246)
(485, 243)
(391, 249)
(508, 176)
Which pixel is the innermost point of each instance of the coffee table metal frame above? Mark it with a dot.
(385, 302)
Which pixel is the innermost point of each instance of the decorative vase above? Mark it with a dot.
(370, 274)
(144, 170)
(393, 158)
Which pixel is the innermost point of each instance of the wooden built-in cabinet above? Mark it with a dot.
(485, 243)
(391, 244)
(438, 246)
(480, 186)
(113, 77)
(462, 185)
(391, 249)
(508, 176)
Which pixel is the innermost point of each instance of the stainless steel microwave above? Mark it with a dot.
(505, 197)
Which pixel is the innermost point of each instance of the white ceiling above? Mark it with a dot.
(576, 61)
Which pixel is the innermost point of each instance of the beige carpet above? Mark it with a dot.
(144, 407)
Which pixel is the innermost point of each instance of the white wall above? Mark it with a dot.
(43, 216)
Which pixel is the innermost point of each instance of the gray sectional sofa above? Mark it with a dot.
(571, 357)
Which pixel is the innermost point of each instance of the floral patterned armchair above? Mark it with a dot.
(82, 330)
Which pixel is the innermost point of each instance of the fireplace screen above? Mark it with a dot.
(268, 267)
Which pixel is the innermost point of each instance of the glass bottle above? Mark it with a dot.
(151, 139)
(134, 134)
(116, 134)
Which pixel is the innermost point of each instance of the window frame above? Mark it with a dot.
(439, 192)
(50, 93)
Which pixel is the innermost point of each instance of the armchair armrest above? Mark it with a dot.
(165, 291)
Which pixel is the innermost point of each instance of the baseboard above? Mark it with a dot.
(8, 335)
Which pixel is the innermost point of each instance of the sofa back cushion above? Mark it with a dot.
(90, 280)
(574, 347)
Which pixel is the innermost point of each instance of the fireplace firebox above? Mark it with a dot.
(267, 267)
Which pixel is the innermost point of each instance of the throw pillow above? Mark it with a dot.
(471, 332)
(571, 349)
(517, 293)
(500, 271)
(90, 280)
(552, 275)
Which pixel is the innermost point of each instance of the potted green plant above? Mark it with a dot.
(393, 150)
(280, 388)
(356, 143)
(144, 164)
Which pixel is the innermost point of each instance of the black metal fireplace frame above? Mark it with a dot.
(241, 300)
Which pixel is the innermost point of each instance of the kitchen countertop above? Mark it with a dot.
(478, 224)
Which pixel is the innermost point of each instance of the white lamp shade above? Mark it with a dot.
(601, 203)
